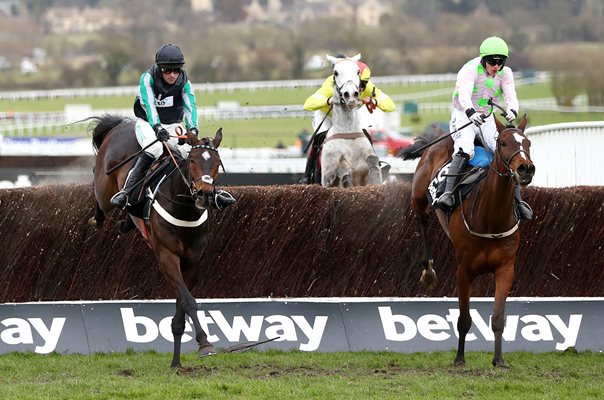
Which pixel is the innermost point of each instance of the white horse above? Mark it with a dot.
(347, 157)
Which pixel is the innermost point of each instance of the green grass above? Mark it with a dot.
(296, 375)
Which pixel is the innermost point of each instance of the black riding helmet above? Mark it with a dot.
(169, 55)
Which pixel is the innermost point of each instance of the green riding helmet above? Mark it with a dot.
(492, 46)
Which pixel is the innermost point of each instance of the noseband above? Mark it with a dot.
(338, 90)
(204, 178)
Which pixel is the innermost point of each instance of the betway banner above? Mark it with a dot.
(306, 324)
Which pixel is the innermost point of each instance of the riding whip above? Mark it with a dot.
(491, 103)
(130, 157)
(312, 138)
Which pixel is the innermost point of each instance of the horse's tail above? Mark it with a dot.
(101, 126)
(419, 145)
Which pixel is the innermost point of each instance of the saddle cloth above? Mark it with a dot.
(475, 170)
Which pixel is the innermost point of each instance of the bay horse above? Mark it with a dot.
(483, 229)
(347, 156)
(177, 226)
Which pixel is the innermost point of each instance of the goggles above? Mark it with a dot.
(494, 60)
(170, 70)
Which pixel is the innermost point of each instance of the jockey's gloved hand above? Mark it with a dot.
(511, 115)
(371, 103)
(195, 132)
(475, 117)
(161, 133)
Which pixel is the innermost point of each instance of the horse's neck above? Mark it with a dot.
(494, 202)
(345, 120)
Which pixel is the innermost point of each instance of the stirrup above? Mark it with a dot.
(443, 200)
(305, 180)
(120, 199)
(223, 199)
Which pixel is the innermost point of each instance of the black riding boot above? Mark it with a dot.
(446, 200)
(523, 210)
(120, 199)
(310, 166)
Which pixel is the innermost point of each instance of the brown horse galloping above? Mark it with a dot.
(177, 228)
(483, 229)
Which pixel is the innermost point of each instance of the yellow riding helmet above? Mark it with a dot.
(364, 71)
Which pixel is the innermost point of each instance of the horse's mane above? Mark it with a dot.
(100, 127)
(431, 133)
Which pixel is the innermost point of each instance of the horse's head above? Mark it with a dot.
(346, 80)
(203, 164)
(514, 152)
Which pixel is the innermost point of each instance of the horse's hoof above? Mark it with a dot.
(459, 362)
(500, 364)
(124, 226)
(95, 223)
(206, 350)
(176, 366)
(428, 279)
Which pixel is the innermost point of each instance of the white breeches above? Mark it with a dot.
(464, 139)
(317, 117)
(145, 135)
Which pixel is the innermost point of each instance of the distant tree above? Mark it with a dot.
(231, 10)
(297, 59)
(116, 61)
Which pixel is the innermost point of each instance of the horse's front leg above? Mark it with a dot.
(99, 217)
(170, 266)
(504, 277)
(178, 328)
(464, 322)
(374, 175)
(419, 204)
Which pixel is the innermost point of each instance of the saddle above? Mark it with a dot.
(162, 167)
(474, 171)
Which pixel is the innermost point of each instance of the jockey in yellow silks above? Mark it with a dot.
(320, 103)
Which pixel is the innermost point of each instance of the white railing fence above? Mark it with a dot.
(568, 154)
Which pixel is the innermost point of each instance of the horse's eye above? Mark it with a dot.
(503, 144)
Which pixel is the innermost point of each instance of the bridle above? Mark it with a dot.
(338, 89)
(506, 162)
(204, 178)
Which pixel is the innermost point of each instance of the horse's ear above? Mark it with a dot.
(356, 57)
(191, 139)
(217, 137)
(332, 59)
(500, 126)
(522, 123)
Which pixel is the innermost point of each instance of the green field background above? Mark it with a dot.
(285, 131)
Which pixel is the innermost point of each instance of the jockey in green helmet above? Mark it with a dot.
(482, 78)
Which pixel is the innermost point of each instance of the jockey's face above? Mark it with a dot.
(170, 75)
(494, 64)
